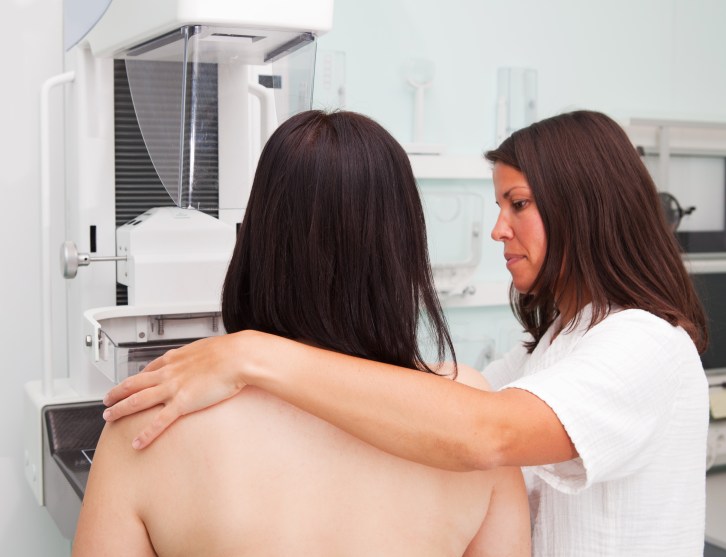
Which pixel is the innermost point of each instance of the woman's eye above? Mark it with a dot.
(519, 205)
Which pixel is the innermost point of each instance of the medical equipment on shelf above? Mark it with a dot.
(167, 106)
(686, 162)
(454, 228)
(672, 209)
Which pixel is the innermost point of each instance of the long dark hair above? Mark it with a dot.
(332, 249)
(607, 236)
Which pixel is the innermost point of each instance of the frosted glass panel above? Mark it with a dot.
(173, 82)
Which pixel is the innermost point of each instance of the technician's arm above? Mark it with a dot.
(414, 415)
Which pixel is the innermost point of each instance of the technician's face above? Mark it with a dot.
(519, 226)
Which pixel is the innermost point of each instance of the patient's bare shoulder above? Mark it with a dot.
(466, 375)
(117, 435)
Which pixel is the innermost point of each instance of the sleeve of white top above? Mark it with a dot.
(506, 369)
(613, 392)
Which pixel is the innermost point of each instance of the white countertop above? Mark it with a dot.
(716, 508)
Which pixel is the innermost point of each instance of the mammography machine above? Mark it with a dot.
(166, 107)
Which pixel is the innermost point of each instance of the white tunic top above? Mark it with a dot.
(632, 394)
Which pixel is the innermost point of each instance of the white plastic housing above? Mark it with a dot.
(174, 256)
(122, 340)
(128, 23)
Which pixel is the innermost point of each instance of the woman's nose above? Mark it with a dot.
(501, 231)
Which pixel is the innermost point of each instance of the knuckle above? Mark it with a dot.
(164, 374)
(126, 387)
(182, 400)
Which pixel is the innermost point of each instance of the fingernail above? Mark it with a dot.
(106, 414)
(136, 443)
(105, 401)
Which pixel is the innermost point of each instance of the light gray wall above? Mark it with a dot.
(625, 57)
(32, 53)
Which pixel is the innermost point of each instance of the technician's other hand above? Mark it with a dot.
(183, 380)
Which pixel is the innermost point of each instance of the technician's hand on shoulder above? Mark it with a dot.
(183, 380)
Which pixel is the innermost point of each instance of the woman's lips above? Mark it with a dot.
(513, 259)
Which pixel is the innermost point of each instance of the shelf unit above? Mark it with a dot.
(451, 167)
(484, 294)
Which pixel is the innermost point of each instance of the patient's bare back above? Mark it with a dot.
(256, 476)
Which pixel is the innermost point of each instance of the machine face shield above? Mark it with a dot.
(189, 86)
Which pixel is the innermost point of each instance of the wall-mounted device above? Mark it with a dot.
(454, 227)
(419, 75)
(516, 100)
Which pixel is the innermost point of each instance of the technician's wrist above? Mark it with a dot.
(250, 354)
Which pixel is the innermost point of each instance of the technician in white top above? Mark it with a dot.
(606, 404)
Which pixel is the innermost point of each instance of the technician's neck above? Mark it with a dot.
(568, 309)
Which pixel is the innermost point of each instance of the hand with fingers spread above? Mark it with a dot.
(183, 380)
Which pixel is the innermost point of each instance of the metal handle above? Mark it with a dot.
(71, 259)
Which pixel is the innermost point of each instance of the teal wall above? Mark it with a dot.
(627, 58)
